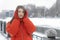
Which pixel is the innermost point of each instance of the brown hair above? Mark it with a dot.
(19, 6)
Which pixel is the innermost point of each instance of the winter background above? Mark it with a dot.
(45, 14)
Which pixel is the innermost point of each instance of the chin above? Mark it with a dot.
(20, 17)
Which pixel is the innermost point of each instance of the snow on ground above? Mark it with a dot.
(47, 22)
(2, 37)
(40, 34)
(7, 19)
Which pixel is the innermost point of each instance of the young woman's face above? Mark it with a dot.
(20, 13)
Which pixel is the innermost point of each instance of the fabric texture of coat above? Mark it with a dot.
(20, 29)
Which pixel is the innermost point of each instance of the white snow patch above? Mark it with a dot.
(2, 37)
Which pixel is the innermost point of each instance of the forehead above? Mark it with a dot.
(20, 9)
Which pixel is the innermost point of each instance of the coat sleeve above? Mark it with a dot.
(29, 26)
(12, 28)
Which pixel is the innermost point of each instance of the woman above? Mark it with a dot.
(20, 27)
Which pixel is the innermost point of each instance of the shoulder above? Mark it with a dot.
(15, 21)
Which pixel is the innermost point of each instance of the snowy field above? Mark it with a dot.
(2, 37)
(45, 22)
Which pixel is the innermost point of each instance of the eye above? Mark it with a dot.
(23, 11)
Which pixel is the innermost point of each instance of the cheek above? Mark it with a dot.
(23, 14)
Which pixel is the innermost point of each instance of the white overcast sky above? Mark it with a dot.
(11, 4)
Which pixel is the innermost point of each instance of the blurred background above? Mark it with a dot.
(37, 8)
(45, 15)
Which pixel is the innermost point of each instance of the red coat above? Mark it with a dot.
(20, 29)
